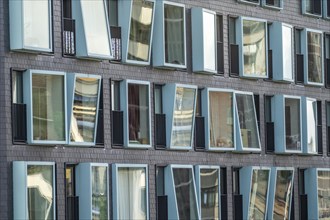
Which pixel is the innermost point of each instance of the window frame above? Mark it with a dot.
(305, 12)
(249, 2)
(326, 13)
(239, 40)
(20, 194)
(115, 185)
(305, 125)
(265, 5)
(124, 107)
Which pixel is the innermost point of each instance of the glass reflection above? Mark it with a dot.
(132, 194)
(37, 24)
(209, 46)
(259, 193)
(96, 27)
(209, 193)
(292, 124)
(184, 107)
(254, 48)
(40, 192)
(185, 193)
(99, 192)
(221, 119)
(314, 41)
(247, 121)
(48, 107)
(140, 30)
(276, 3)
(86, 95)
(138, 114)
(283, 193)
(174, 34)
(323, 192)
(311, 126)
(287, 52)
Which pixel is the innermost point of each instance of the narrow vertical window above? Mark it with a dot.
(327, 58)
(292, 124)
(311, 126)
(323, 194)
(314, 57)
(328, 125)
(100, 192)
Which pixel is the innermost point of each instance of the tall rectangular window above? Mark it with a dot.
(323, 194)
(311, 126)
(100, 192)
(292, 124)
(327, 108)
(314, 57)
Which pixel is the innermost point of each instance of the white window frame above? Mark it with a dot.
(20, 195)
(158, 47)
(305, 12)
(248, 2)
(124, 108)
(264, 4)
(115, 185)
(305, 125)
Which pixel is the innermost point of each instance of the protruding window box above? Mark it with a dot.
(179, 106)
(136, 30)
(273, 4)
(135, 103)
(309, 125)
(287, 117)
(169, 34)
(204, 40)
(208, 191)
(218, 109)
(281, 44)
(92, 188)
(317, 187)
(251, 36)
(180, 188)
(246, 128)
(92, 29)
(34, 193)
(83, 105)
(312, 7)
(312, 48)
(31, 25)
(254, 186)
(280, 193)
(45, 99)
(130, 191)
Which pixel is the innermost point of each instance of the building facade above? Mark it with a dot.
(153, 109)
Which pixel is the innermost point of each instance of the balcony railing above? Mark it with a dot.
(19, 122)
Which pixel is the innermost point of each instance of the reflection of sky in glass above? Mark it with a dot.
(311, 126)
(209, 40)
(287, 52)
(323, 191)
(283, 193)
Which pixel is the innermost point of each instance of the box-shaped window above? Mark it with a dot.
(310, 134)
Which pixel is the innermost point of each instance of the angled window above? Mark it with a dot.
(31, 25)
(254, 2)
(136, 30)
(92, 188)
(312, 7)
(169, 45)
(179, 106)
(273, 4)
(310, 135)
(247, 134)
(130, 191)
(312, 48)
(281, 42)
(251, 36)
(34, 190)
(280, 193)
(208, 191)
(317, 187)
(135, 102)
(181, 191)
(326, 9)
(218, 106)
(45, 99)
(204, 40)
(254, 186)
(93, 35)
(83, 108)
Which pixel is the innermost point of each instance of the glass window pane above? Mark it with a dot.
(40, 193)
(37, 19)
(323, 192)
(185, 193)
(254, 48)
(221, 119)
(99, 192)
(209, 193)
(276, 3)
(292, 124)
(132, 193)
(184, 107)
(17, 87)
(283, 193)
(314, 41)
(174, 34)
(311, 126)
(140, 30)
(258, 196)
(158, 99)
(209, 40)
(247, 121)
(96, 27)
(48, 107)
(287, 52)
(138, 114)
(84, 110)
